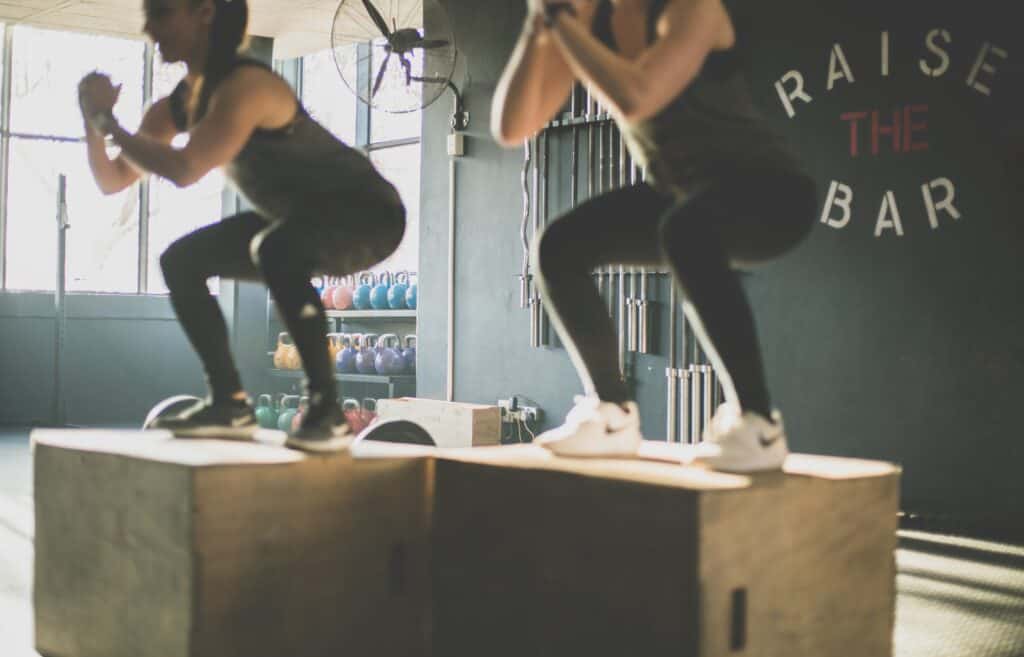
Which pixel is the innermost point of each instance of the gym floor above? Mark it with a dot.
(956, 596)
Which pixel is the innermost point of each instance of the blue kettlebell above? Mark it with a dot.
(396, 295)
(361, 297)
(318, 283)
(367, 356)
(409, 354)
(379, 296)
(389, 357)
(410, 294)
(345, 362)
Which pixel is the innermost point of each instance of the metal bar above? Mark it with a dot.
(642, 305)
(706, 393)
(5, 148)
(541, 217)
(535, 338)
(623, 308)
(144, 189)
(59, 302)
(672, 375)
(450, 369)
(672, 388)
(685, 416)
(696, 374)
(524, 276)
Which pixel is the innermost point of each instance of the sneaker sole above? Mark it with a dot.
(336, 444)
(609, 449)
(247, 432)
(749, 465)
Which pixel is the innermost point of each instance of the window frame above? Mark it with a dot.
(364, 113)
(6, 135)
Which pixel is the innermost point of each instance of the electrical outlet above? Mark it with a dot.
(513, 411)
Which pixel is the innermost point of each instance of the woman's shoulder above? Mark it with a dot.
(256, 77)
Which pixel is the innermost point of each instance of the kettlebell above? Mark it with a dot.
(303, 409)
(266, 416)
(334, 345)
(396, 295)
(365, 359)
(318, 283)
(389, 356)
(341, 297)
(345, 362)
(368, 414)
(379, 295)
(293, 361)
(285, 352)
(411, 294)
(288, 411)
(353, 414)
(327, 294)
(409, 354)
(361, 298)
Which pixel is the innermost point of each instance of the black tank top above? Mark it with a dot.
(712, 127)
(296, 171)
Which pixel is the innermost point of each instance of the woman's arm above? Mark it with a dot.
(637, 89)
(115, 175)
(535, 84)
(237, 107)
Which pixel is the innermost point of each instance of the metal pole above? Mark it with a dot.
(621, 307)
(685, 414)
(59, 301)
(708, 374)
(533, 300)
(542, 220)
(671, 374)
(450, 366)
(696, 374)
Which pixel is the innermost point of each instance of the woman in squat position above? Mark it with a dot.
(722, 191)
(312, 196)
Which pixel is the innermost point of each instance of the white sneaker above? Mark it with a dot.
(596, 428)
(747, 443)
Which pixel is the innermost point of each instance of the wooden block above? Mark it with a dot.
(151, 547)
(541, 556)
(451, 424)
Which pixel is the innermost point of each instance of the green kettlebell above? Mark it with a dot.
(289, 407)
(265, 413)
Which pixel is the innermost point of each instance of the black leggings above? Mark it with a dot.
(735, 220)
(284, 254)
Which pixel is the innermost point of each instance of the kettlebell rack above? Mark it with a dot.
(354, 321)
(599, 161)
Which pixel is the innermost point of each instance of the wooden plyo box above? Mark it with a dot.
(452, 424)
(541, 556)
(150, 547)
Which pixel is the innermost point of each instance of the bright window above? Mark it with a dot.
(46, 66)
(385, 126)
(326, 97)
(401, 165)
(46, 140)
(102, 242)
(174, 212)
(331, 102)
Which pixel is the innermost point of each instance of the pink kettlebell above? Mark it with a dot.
(342, 295)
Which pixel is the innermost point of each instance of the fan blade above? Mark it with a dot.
(408, 70)
(429, 44)
(382, 25)
(380, 75)
(435, 80)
